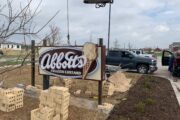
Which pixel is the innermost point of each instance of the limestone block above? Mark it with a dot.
(44, 94)
(9, 99)
(57, 117)
(46, 113)
(34, 115)
(61, 109)
(18, 91)
(41, 106)
(50, 102)
(62, 98)
(19, 105)
(5, 92)
(58, 90)
(19, 99)
(64, 116)
(10, 107)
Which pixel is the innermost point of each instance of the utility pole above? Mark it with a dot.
(68, 35)
(109, 26)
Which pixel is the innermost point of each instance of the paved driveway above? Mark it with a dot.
(163, 72)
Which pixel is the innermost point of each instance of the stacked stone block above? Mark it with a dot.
(108, 89)
(11, 99)
(53, 105)
(67, 82)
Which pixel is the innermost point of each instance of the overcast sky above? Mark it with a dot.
(143, 23)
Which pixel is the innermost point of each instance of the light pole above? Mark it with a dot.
(99, 4)
(109, 26)
(68, 35)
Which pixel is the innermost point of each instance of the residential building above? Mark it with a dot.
(175, 46)
(10, 46)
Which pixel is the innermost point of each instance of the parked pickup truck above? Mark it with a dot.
(128, 60)
(166, 58)
(141, 53)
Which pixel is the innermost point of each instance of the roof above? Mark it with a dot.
(9, 42)
(175, 43)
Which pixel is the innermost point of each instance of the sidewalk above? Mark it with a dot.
(164, 73)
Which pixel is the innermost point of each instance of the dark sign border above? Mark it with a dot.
(103, 62)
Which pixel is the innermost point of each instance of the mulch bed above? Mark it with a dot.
(151, 98)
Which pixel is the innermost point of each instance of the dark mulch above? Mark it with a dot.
(152, 98)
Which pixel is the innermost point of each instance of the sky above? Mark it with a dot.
(142, 23)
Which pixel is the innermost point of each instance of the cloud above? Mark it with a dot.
(162, 28)
(141, 22)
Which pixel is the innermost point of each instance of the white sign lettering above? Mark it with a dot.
(62, 61)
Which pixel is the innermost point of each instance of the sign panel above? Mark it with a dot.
(72, 62)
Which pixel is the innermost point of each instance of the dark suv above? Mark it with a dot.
(128, 60)
(166, 59)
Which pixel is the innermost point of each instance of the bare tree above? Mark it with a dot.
(130, 46)
(54, 37)
(19, 21)
(116, 44)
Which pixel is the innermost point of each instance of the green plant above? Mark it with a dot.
(147, 85)
(149, 101)
(140, 107)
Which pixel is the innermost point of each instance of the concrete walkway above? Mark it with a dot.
(164, 73)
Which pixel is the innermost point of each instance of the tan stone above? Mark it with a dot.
(19, 105)
(64, 116)
(57, 117)
(5, 92)
(34, 115)
(9, 99)
(58, 90)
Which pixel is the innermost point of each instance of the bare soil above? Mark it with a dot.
(30, 103)
(151, 98)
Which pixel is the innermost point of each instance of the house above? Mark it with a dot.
(157, 49)
(175, 46)
(10, 46)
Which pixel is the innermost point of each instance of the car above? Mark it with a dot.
(167, 57)
(128, 60)
(141, 53)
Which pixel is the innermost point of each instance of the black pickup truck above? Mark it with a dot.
(128, 60)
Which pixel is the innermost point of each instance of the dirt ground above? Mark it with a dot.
(151, 98)
(23, 76)
(30, 103)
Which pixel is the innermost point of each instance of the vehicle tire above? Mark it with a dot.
(143, 69)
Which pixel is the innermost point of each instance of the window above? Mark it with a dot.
(126, 54)
(138, 52)
(114, 53)
(8, 46)
(17, 46)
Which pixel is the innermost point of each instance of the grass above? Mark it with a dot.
(158, 54)
(140, 107)
(12, 63)
(149, 101)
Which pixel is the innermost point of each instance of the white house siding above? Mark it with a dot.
(10, 47)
